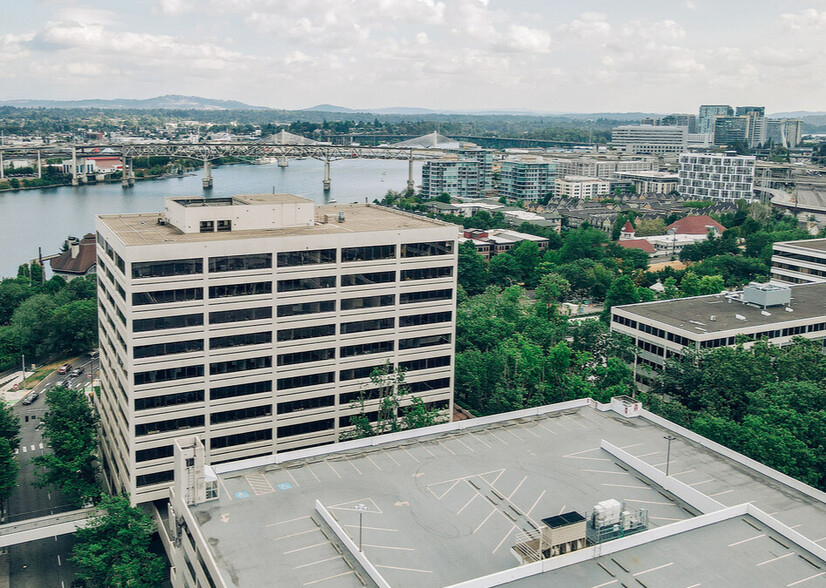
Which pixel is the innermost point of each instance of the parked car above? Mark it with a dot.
(64, 369)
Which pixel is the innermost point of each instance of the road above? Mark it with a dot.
(44, 563)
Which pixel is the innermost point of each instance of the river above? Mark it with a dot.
(44, 218)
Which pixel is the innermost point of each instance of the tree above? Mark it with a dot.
(583, 243)
(473, 275)
(112, 551)
(9, 466)
(649, 227)
(32, 323)
(74, 327)
(527, 257)
(9, 425)
(504, 270)
(70, 429)
(551, 290)
(443, 197)
(622, 291)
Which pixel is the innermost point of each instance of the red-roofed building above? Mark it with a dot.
(637, 244)
(628, 232)
(699, 224)
(78, 260)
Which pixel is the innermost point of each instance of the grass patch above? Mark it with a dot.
(40, 373)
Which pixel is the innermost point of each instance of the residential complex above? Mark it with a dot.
(603, 167)
(785, 132)
(686, 231)
(255, 321)
(580, 187)
(731, 129)
(799, 262)
(577, 494)
(652, 139)
(707, 114)
(495, 241)
(722, 176)
(651, 182)
(528, 180)
(460, 178)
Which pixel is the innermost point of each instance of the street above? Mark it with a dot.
(44, 563)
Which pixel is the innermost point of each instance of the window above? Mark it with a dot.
(306, 308)
(239, 340)
(166, 296)
(314, 257)
(427, 249)
(173, 267)
(438, 404)
(306, 332)
(360, 372)
(308, 380)
(170, 425)
(142, 351)
(368, 279)
(425, 364)
(240, 390)
(369, 325)
(368, 302)
(348, 397)
(240, 365)
(436, 384)
(121, 291)
(371, 416)
(306, 404)
(240, 414)
(425, 319)
(167, 322)
(427, 273)
(251, 289)
(241, 314)
(417, 342)
(367, 348)
(154, 453)
(306, 284)
(169, 400)
(306, 356)
(155, 478)
(425, 296)
(302, 428)
(207, 226)
(235, 263)
(175, 373)
(368, 253)
(224, 226)
(240, 439)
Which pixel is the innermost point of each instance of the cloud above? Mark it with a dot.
(810, 19)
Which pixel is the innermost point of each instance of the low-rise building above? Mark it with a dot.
(651, 182)
(78, 260)
(799, 262)
(653, 139)
(685, 231)
(581, 187)
(495, 241)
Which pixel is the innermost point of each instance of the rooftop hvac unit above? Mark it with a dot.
(713, 317)
(739, 317)
(767, 294)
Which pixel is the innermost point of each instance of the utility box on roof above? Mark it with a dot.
(767, 294)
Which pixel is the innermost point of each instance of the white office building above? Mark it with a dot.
(723, 176)
(580, 187)
(652, 139)
(254, 321)
(604, 168)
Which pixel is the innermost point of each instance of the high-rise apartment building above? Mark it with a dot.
(457, 178)
(705, 120)
(254, 321)
(527, 180)
(724, 176)
(484, 157)
(785, 132)
(680, 120)
(732, 129)
(757, 123)
(656, 140)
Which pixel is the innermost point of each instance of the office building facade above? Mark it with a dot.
(725, 176)
(707, 114)
(581, 187)
(255, 321)
(651, 139)
(799, 262)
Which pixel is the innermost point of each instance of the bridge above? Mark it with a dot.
(43, 527)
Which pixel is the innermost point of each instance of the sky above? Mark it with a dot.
(545, 55)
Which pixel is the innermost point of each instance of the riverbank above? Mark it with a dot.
(165, 176)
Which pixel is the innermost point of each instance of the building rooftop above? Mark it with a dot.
(813, 244)
(694, 314)
(445, 507)
(144, 229)
(695, 224)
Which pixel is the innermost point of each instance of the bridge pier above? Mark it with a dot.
(39, 166)
(410, 183)
(127, 175)
(2, 167)
(207, 181)
(75, 179)
(283, 161)
(326, 183)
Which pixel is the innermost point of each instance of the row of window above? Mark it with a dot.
(255, 261)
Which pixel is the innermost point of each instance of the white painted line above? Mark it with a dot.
(288, 521)
(540, 498)
(416, 459)
(373, 528)
(515, 435)
(721, 493)
(762, 563)
(646, 454)
(796, 526)
(465, 444)
(561, 510)
(498, 437)
(821, 539)
(62, 584)
(58, 560)
(404, 569)
(581, 452)
(480, 440)
(423, 446)
(518, 486)
(593, 458)
(627, 486)
(314, 529)
(347, 573)
(358, 471)
(653, 569)
(496, 479)
(648, 501)
(575, 422)
(332, 468)
(313, 473)
(606, 472)
(683, 472)
(448, 448)
(630, 446)
(452, 486)
(387, 453)
(605, 584)
(498, 545)
(552, 432)
(806, 579)
(664, 519)
(527, 430)
(316, 562)
(296, 484)
(388, 547)
(693, 586)
(308, 547)
(467, 503)
(485, 521)
(703, 482)
(747, 540)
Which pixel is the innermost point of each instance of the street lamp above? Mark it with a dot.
(360, 508)
(668, 438)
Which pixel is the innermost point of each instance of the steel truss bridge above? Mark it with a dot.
(206, 153)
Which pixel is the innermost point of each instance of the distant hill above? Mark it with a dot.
(168, 102)
(330, 108)
(798, 114)
(407, 110)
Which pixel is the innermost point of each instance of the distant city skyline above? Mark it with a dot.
(591, 56)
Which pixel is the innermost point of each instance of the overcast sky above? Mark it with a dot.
(550, 55)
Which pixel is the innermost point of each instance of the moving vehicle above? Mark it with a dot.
(76, 372)
(31, 397)
(64, 369)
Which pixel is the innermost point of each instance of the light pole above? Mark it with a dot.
(668, 438)
(360, 508)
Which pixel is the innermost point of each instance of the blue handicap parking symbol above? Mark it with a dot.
(285, 486)
(242, 494)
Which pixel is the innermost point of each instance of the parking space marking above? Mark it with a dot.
(515, 435)
(404, 569)
(821, 539)
(648, 502)
(448, 448)
(694, 585)
(768, 561)
(297, 534)
(683, 472)
(518, 486)
(358, 471)
(466, 445)
(288, 521)
(626, 486)
(552, 432)
(561, 510)
(307, 547)
(259, 483)
(527, 430)
(653, 569)
(316, 562)
(313, 473)
(373, 528)
(482, 441)
(387, 453)
(747, 540)
(332, 468)
(806, 579)
(703, 482)
(351, 503)
(423, 446)
(574, 421)
(451, 487)
(498, 545)
(467, 503)
(497, 437)
(540, 498)
(607, 472)
(721, 493)
(630, 446)
(646, 454)
(416, 459)
(348, 572)
(229, 494)
(374, 463)
(581, 452)
(605, 584)
(296, 484)
(495, 510)
(389, 547)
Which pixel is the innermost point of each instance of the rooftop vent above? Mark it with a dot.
(739, 317)
(767, 294)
